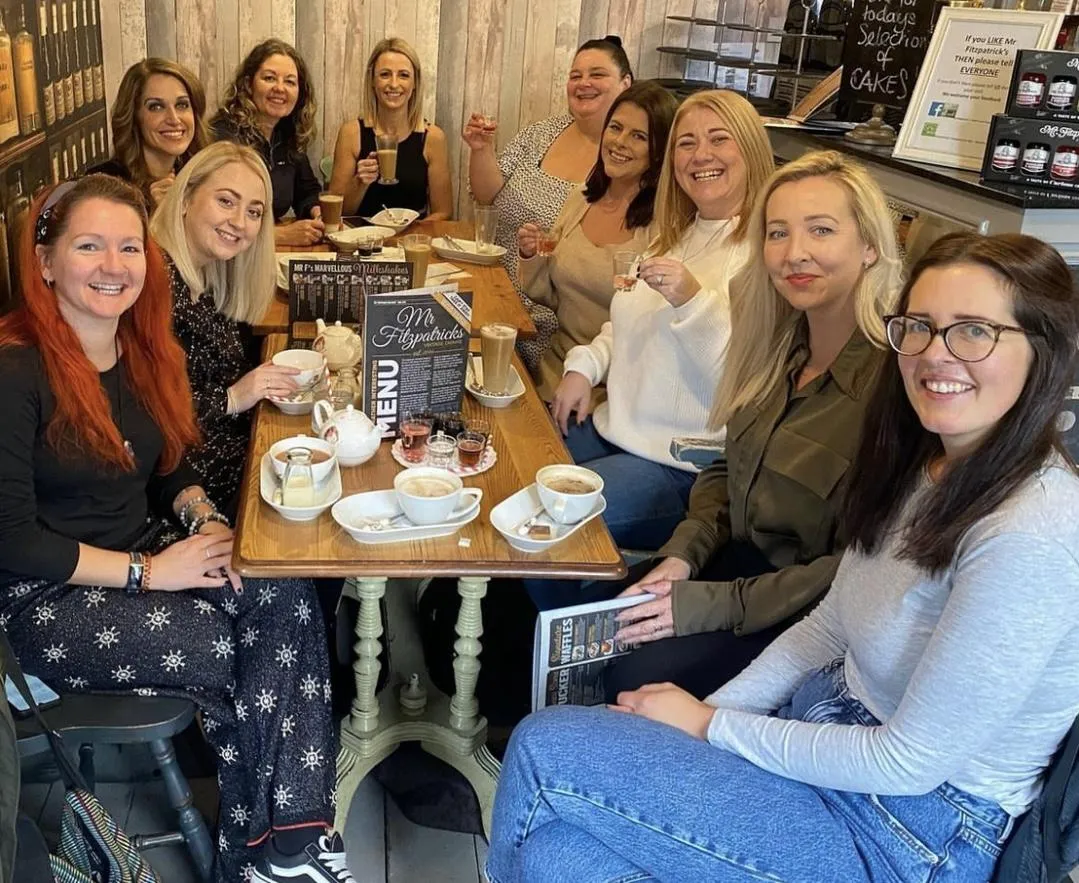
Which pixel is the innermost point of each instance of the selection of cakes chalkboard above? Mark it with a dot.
(883, 51)
(335, 289)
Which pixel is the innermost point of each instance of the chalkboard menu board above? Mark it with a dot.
(883, 52)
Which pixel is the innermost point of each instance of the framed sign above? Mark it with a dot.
(965, 80)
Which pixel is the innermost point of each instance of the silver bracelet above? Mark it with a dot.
(185, 510)
(206, 518)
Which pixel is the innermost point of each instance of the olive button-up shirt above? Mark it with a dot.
(779, 489)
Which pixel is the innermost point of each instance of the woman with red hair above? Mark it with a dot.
(99, 588)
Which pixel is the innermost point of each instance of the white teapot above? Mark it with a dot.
(341, 346)
(352, 431)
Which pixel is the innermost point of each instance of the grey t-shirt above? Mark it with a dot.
(974, 671)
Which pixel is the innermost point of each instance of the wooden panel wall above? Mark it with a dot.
(507, 58)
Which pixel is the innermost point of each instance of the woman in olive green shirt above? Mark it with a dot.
(759, 543)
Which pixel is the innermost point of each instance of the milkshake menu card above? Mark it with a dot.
(335, 289)
(415, 351)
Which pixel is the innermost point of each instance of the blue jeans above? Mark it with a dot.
(645, 500)
(597, 796)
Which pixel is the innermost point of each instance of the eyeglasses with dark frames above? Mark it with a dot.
(972, 340)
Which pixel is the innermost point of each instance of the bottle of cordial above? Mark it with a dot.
(1061, 93)
(1065, 165)
(1031, 89)
(1035, 159)
(1005, 155)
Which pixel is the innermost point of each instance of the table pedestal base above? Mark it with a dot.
(451, 729)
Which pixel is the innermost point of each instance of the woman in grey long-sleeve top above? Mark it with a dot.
(896, 732)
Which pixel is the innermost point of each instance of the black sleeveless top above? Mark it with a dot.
(410, 191)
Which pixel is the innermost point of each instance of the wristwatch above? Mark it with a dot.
(136, 566)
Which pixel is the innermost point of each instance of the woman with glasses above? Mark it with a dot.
(759, 543)
(899, 730)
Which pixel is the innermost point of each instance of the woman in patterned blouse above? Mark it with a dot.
(215, 227)
(545, 162)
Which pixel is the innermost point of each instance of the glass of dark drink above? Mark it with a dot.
(470, 448)
(415, 430)
(449, 422)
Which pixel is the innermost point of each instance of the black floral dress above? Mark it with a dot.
(218, 354)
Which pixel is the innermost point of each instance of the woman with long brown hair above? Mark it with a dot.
(270, 105)
(158, 124)
(114, 566)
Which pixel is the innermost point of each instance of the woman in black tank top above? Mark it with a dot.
(392, 105)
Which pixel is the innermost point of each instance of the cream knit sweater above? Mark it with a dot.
(662, 364)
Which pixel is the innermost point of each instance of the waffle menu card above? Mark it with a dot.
(415, 351)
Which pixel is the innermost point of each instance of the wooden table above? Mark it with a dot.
(493, 296)
(449, 728)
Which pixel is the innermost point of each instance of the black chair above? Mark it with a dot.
(84, 719)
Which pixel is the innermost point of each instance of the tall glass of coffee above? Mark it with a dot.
(417, 247)
(496, 346)
(386, 148)
(331, 203)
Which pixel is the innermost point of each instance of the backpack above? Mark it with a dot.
(1045, 845)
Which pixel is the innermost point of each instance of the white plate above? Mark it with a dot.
(489, 458)
(469, 253)
(487, 399)
(283, 257)
(329, 492)
(350, 237)
(402, 217)
(513, 511)
(375, 505)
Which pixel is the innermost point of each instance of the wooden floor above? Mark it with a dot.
(383, 846)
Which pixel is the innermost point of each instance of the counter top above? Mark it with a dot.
(961, 179)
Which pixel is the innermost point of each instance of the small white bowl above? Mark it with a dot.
(349, 239)
(300, 404)
(397, 218)
(319, 471)
(487, 399)
(327, 493)
(524, 506)
(309, 363)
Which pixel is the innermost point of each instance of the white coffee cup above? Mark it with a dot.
(574, 493)
(430, 496)
(310, 364)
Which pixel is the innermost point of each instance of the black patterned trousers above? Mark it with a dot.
(255, 663)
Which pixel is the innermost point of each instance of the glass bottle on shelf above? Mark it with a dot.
(22, 50)
(84, 54)
(344, 388)
(46, 64)
(9, 114)
(58, 92)
(95, 53)
(298, 480)
(71, 39)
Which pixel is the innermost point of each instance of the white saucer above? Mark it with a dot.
(487, 460)
(349, 237)
(467, 252)
(376, 505)
(295, 405)
(513, 511)
(490, 399)
(328, 493)
(401, 218)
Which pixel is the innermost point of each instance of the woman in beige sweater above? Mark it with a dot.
(612, 213)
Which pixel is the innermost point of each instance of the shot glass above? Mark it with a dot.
(449, 422)
(470, 448)
(415, 430)
(483, 427)
(547, 242)
(625, 270)
(486, 219)
(440, 450)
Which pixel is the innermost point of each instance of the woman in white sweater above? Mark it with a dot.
(898, 732)
(662, 351)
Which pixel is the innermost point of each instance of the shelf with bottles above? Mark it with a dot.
(78, 147)
(803, 49)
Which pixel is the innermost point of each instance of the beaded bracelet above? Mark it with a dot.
(185, 509)
(200, 520)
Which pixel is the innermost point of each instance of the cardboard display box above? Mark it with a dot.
(1034, 153)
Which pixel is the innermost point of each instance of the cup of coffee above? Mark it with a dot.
(496, 346)
(331, 203)
(323, 456)
(430, 496)
(417, 248)
(386, 150)
(309, 363)
(568, 493)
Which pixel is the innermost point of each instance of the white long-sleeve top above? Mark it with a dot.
(661, 363)
(973, 671)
